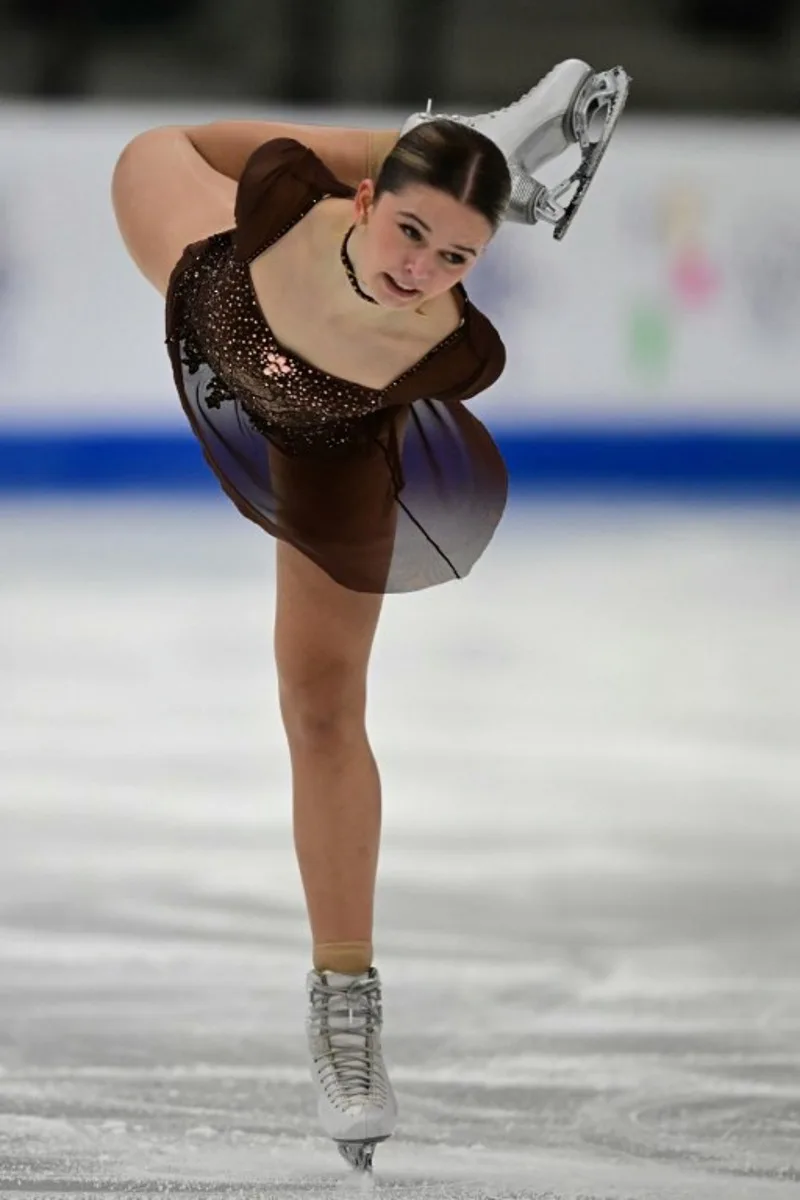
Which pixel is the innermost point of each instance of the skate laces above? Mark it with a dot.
(348, 1020)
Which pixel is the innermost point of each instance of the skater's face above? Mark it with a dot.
(415, 244)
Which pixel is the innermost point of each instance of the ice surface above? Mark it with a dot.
(589, 912)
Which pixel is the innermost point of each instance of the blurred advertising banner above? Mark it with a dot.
(674, 298)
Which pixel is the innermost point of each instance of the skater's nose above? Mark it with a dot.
(418, 267)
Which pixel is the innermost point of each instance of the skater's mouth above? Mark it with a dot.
(397, 289)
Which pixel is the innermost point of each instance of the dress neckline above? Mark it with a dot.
(292, 355)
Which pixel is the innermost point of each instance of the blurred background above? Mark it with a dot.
(687, 55)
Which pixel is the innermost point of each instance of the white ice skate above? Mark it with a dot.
(572, 105)
(355, 1101)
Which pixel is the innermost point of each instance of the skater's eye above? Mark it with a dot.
(451, 257)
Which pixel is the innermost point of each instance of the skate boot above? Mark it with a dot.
(355, 1101)
(572, 105)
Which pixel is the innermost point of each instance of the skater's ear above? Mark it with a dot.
(364, 201)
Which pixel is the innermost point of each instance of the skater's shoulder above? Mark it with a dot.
(469, 361)
(281, 181)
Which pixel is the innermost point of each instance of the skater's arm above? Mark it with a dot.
(350, 154)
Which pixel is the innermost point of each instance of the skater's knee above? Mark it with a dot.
(165, 197)
(135, 167)
(138, 194)
(323, 707)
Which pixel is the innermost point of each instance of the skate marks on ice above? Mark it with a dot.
(471, 1128)
(119, 1162)
(592, 978)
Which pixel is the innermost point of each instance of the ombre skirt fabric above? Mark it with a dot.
(412, 501)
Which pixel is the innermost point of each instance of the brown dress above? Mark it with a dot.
(387, 490)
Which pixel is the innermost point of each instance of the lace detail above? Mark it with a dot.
(345, 1025)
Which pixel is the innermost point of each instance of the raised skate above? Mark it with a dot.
(355, 1100)
(572, 105)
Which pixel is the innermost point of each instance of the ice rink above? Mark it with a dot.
(589, 907)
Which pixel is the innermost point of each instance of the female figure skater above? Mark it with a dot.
(322, 345)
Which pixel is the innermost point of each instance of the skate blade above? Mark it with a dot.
(358, 1155)
(615, 90)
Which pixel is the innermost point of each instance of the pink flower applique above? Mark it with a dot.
(277, 364)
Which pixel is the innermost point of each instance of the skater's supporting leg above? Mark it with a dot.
(323, 638)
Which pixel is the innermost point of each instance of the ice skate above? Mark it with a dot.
(572, 105)
(355, 1100)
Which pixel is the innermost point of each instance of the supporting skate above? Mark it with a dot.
(358, 1155)
(355, 1100)
(572, 105)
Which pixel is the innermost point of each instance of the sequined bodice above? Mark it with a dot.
(225, 327)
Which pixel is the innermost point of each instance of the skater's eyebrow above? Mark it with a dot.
(427, 228)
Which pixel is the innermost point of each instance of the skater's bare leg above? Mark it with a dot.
(323, 638)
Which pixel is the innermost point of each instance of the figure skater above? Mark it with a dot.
(323, 345)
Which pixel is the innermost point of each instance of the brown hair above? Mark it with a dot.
(453, 158)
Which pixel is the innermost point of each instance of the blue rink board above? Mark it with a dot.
(577, 459)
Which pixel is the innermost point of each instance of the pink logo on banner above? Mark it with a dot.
(684, 279)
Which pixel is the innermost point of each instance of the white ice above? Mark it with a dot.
(589, 910)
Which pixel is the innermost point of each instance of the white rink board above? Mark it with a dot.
(670, 299)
